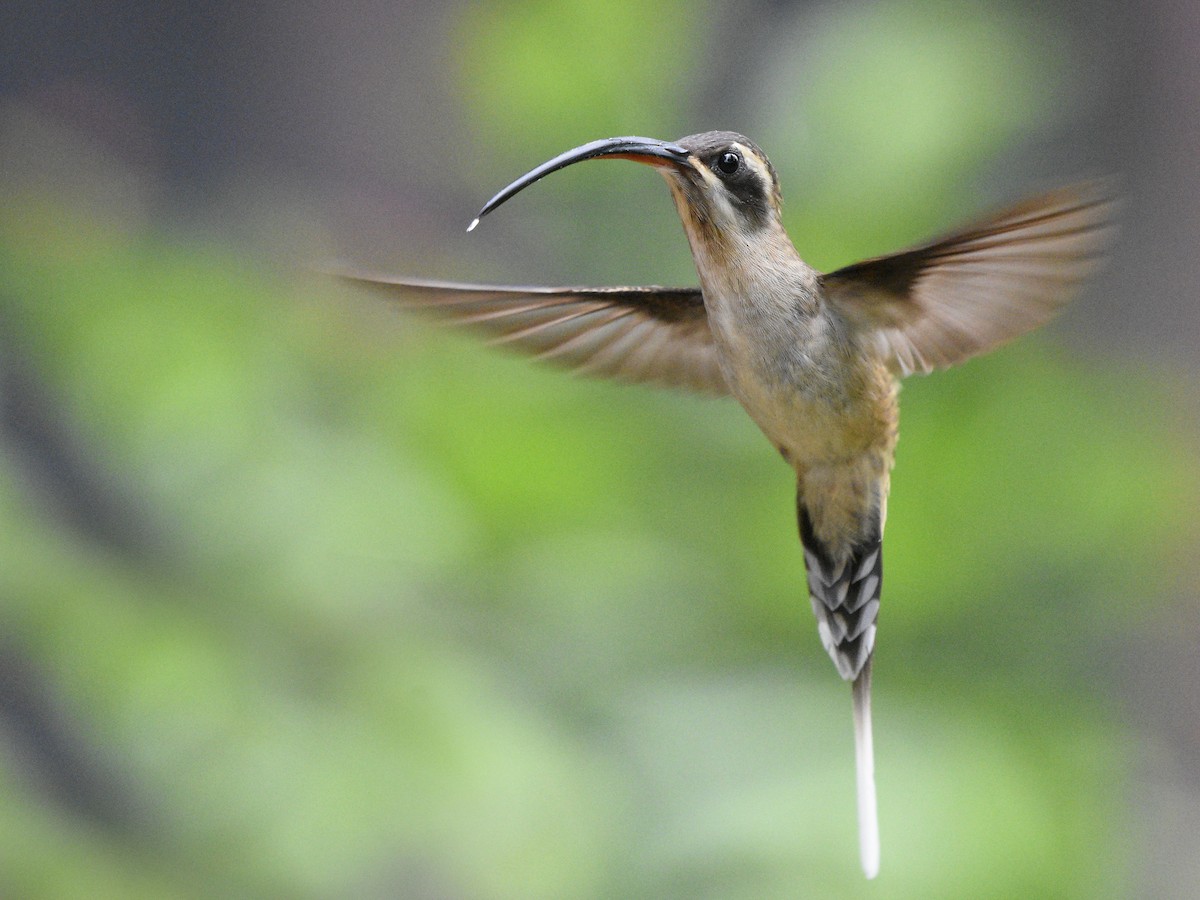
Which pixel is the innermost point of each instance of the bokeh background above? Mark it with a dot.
(300, 597)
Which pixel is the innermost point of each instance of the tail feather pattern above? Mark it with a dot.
(844, 590)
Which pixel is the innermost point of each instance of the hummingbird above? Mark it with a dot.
(814, 358)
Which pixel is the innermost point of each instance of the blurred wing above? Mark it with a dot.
(937, 305)
(651, 334)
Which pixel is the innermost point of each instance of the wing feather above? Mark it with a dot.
(939, 304)
(651, 334)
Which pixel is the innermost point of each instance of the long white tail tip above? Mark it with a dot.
(864, 757)
(474, 222)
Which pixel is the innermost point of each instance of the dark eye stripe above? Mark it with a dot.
(746, 187)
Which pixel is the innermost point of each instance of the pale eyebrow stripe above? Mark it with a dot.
(753, 162)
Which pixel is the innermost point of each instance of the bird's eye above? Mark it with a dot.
(729, 162)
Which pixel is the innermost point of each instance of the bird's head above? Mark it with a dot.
(725, 188)
(725, 183)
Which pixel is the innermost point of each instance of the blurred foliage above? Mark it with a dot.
(891, 107)
(414, 619)
(543, 57)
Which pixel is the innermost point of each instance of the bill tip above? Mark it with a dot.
(474, 222)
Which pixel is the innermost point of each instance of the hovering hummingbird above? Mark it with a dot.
(814, 358)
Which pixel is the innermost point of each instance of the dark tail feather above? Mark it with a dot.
(844, 589)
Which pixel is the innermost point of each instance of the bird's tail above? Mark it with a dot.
(844, 586)
(864, 764)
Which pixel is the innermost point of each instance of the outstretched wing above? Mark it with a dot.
(651, 334)
(939, 304)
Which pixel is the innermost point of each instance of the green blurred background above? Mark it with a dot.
(302, 598)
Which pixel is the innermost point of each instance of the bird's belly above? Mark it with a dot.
(803, 428)
(814, 407)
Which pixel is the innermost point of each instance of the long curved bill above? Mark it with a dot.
(639, 149)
